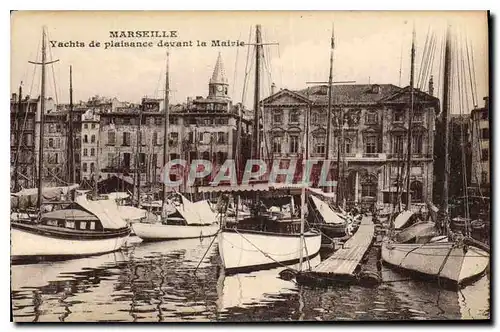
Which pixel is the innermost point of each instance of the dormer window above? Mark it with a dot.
(376, 88)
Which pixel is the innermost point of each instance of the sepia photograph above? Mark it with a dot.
(258, 166)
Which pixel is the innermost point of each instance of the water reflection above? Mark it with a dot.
(156, 282)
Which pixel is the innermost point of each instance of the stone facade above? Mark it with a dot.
(375, 127)
(481, 154)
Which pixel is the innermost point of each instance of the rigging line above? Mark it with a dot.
(246, 66)
(53, 71)
(27, 104)
(472, 84)
(236, 67)
(473, 70)
(430, 60)
(424, 55)
(464, 165)
(401, 57)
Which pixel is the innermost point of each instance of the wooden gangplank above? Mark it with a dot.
(345, 260)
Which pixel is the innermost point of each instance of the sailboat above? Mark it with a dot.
(262, 241)
(457, 260)
(191, 220)
(81, 228)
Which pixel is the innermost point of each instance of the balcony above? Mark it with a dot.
(366, 157)
(414, 156)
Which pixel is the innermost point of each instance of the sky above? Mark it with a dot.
(370, 47)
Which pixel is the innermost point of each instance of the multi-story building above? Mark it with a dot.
(55, 140)
(481, 155)
(22, 142)
(89, 138)
(375, 131)
(203, 128)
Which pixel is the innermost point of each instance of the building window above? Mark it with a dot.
(159, 121)
(484, 155)
(85, 139)
(92, 126)
(221, 138)
(277, 144)
(51, 142)
(294, 144)
(294, 116)
(319, 146)
(56, 158)
(111, 138)
(174, 139)
(85, 126)
(172, 120)
(277, 117)
(484, 115)
(92, 152)
(77, 157)
(484, 177)
(155, 138)
(369, 187)
(397, 144)
(85, 152)
(371, 117)
(111, 159)
(417, 143)
(371, 144)
(92, 168)
(416, 191)
(347, 145)
(399, 115)
(84, 167)
(485, 133)
(92, 139)
(126, 139)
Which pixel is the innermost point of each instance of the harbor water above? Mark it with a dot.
(156, 282)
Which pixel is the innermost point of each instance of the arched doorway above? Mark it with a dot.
(369, 188)
(351, 186)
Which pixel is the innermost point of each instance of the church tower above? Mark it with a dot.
(218, 86)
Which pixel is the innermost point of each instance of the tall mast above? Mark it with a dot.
(19, 139)
(329, 114)
(42, 116)
(256, 129)
(71, 153)
(166, 125)
(42, 123)
(410, 118)
(446, 106)
(138, 156)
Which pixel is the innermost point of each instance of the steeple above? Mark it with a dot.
(218, 86)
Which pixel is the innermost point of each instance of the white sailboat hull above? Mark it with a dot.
(243, 251)
(443, 260)
(160, 232)
(25, 244)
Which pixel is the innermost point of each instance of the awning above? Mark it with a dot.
(106, 210)
(402, 219)
(198, 213)
(329, 216)
(131, 212)
(70, 214)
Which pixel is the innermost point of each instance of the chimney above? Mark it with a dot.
(273, 89)
(431, 86)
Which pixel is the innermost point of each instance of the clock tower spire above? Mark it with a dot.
(218, 86)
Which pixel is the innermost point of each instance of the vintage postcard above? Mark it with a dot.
(249, 166)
